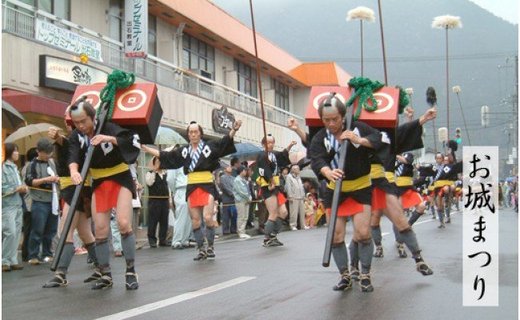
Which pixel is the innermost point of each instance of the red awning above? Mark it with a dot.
(318, 93)
(26, 102)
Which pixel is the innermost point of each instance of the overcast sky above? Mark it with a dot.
(506, 9)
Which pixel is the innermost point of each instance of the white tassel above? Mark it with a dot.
(361, 13)
(446, 22)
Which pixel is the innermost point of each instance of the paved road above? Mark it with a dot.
(247, 281)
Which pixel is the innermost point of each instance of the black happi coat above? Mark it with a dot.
(267, 169)
(357, 163)
(107, 155)
(208, 160)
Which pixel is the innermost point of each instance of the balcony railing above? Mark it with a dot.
(20, 19)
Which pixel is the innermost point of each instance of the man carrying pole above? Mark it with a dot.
(356, 191)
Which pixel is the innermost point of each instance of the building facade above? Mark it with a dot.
(201, 59)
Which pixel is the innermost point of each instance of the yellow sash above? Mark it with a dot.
(200, 177)
(107, 172)
(390, 176)
(377, 171)
(352, 185)
(442, 183)
(264, 183)
(404, 181)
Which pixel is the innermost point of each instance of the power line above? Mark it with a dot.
(474, 56)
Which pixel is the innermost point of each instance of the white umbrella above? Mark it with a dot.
(167, 136)
(27, 137)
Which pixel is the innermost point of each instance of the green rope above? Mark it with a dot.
(403, 99)
(116, 80)
(364, 89)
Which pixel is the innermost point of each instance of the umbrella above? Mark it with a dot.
(11, 118)
(308, 174)
(245, 150)
(27, 137)
(167, 136)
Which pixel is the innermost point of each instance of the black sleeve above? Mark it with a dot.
(225, 146)
(318, 154)
(75, 151)
(409, 137)
(128, 142)
(282, 158)
(171, 159)
(373, 135)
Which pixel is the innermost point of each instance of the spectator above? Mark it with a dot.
(26, 207)
(158, 204)
(229, 214)
(295, 195)
(44, 223)
(235, 165)
(177, 181)
(242, 201)
(310, 210)
(12, 213)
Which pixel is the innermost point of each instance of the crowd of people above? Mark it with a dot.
(378, 178)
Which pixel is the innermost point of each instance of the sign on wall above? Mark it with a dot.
(136, 28)
(67, 40)
(222, 120)
(66, 74)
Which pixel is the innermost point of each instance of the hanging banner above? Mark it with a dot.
(67, 40)
(136, 28)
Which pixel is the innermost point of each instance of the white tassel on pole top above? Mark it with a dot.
(447, 22)
(362, 14)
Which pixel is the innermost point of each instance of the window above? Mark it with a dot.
(59, 8)
(198, 56)
(281, 95)
(246, 79)
(152, 35)
(115, 20)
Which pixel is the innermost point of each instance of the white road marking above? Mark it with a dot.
(173, 300)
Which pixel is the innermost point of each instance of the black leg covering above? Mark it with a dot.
(410, 239)
(66, 257)
(103, 255)
(413, 218)
(366, 248)
(128, 244)
(339, 252)
(353, 249)
(376, 235)
(91, 248)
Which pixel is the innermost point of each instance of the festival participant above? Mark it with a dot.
(269, 166)
(444, 186)
(408, 195)
(112, 186)
(81, 220)
(407, 137)
(356, 189)
(199, 158)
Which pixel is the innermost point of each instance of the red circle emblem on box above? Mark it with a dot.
(131, 100)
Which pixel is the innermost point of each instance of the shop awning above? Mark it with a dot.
(27, 102)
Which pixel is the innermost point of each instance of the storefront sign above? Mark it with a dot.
(136, 28)
(67, 40)
(222, 120)
(66, 74)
